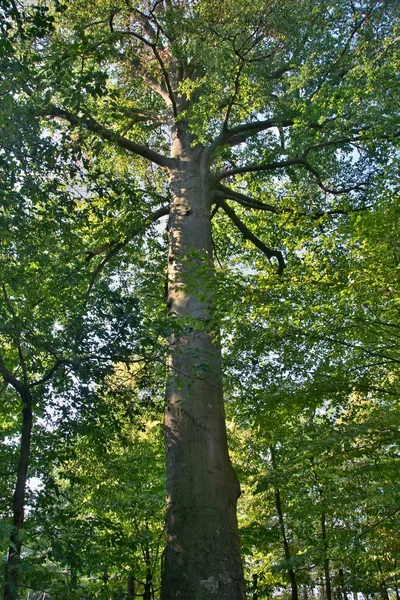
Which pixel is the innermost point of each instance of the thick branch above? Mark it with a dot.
(90, 124)
(243, 131)
(240, 133)
(10, 378)
(248, 235)
(245, 200)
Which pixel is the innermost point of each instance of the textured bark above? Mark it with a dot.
(202, 557)
(14, 551)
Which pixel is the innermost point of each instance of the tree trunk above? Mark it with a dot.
(130, 588)
(342, 584)
(286, 548)
(328, 585)
(255, 586)
(14, 551)
(383, 584)
(202, 557)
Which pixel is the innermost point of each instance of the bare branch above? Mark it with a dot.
(339, 211)
(87, 122)
(248, 235)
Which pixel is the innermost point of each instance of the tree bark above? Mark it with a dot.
(14, 551)
(202, 557)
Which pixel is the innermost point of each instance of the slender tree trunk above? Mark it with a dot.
(286, 547)
(130, 588)
(255, 586)
(342, 584)
(384, 588)
(328, 584)
(396, 585)
(325, 545)
(14, 551)
(202, 557)
(148, 586)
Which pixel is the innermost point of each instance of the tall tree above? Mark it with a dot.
(219, 104)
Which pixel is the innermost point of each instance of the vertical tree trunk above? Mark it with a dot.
(14, 551)
(383, 584)
(202, 557)
(396, 585)
(130, 588)
(328, 585)
(255, 586)
(342, 584)
(286, 548)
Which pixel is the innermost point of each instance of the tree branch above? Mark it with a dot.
(234, 96)
(153, 46)
(10, 378)
(17, 339)
(47, 376)
(248, 235)
(240, 133)
(90, 124)
(256, 168)
(245, 200)
(300, 161)
(114, 247)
